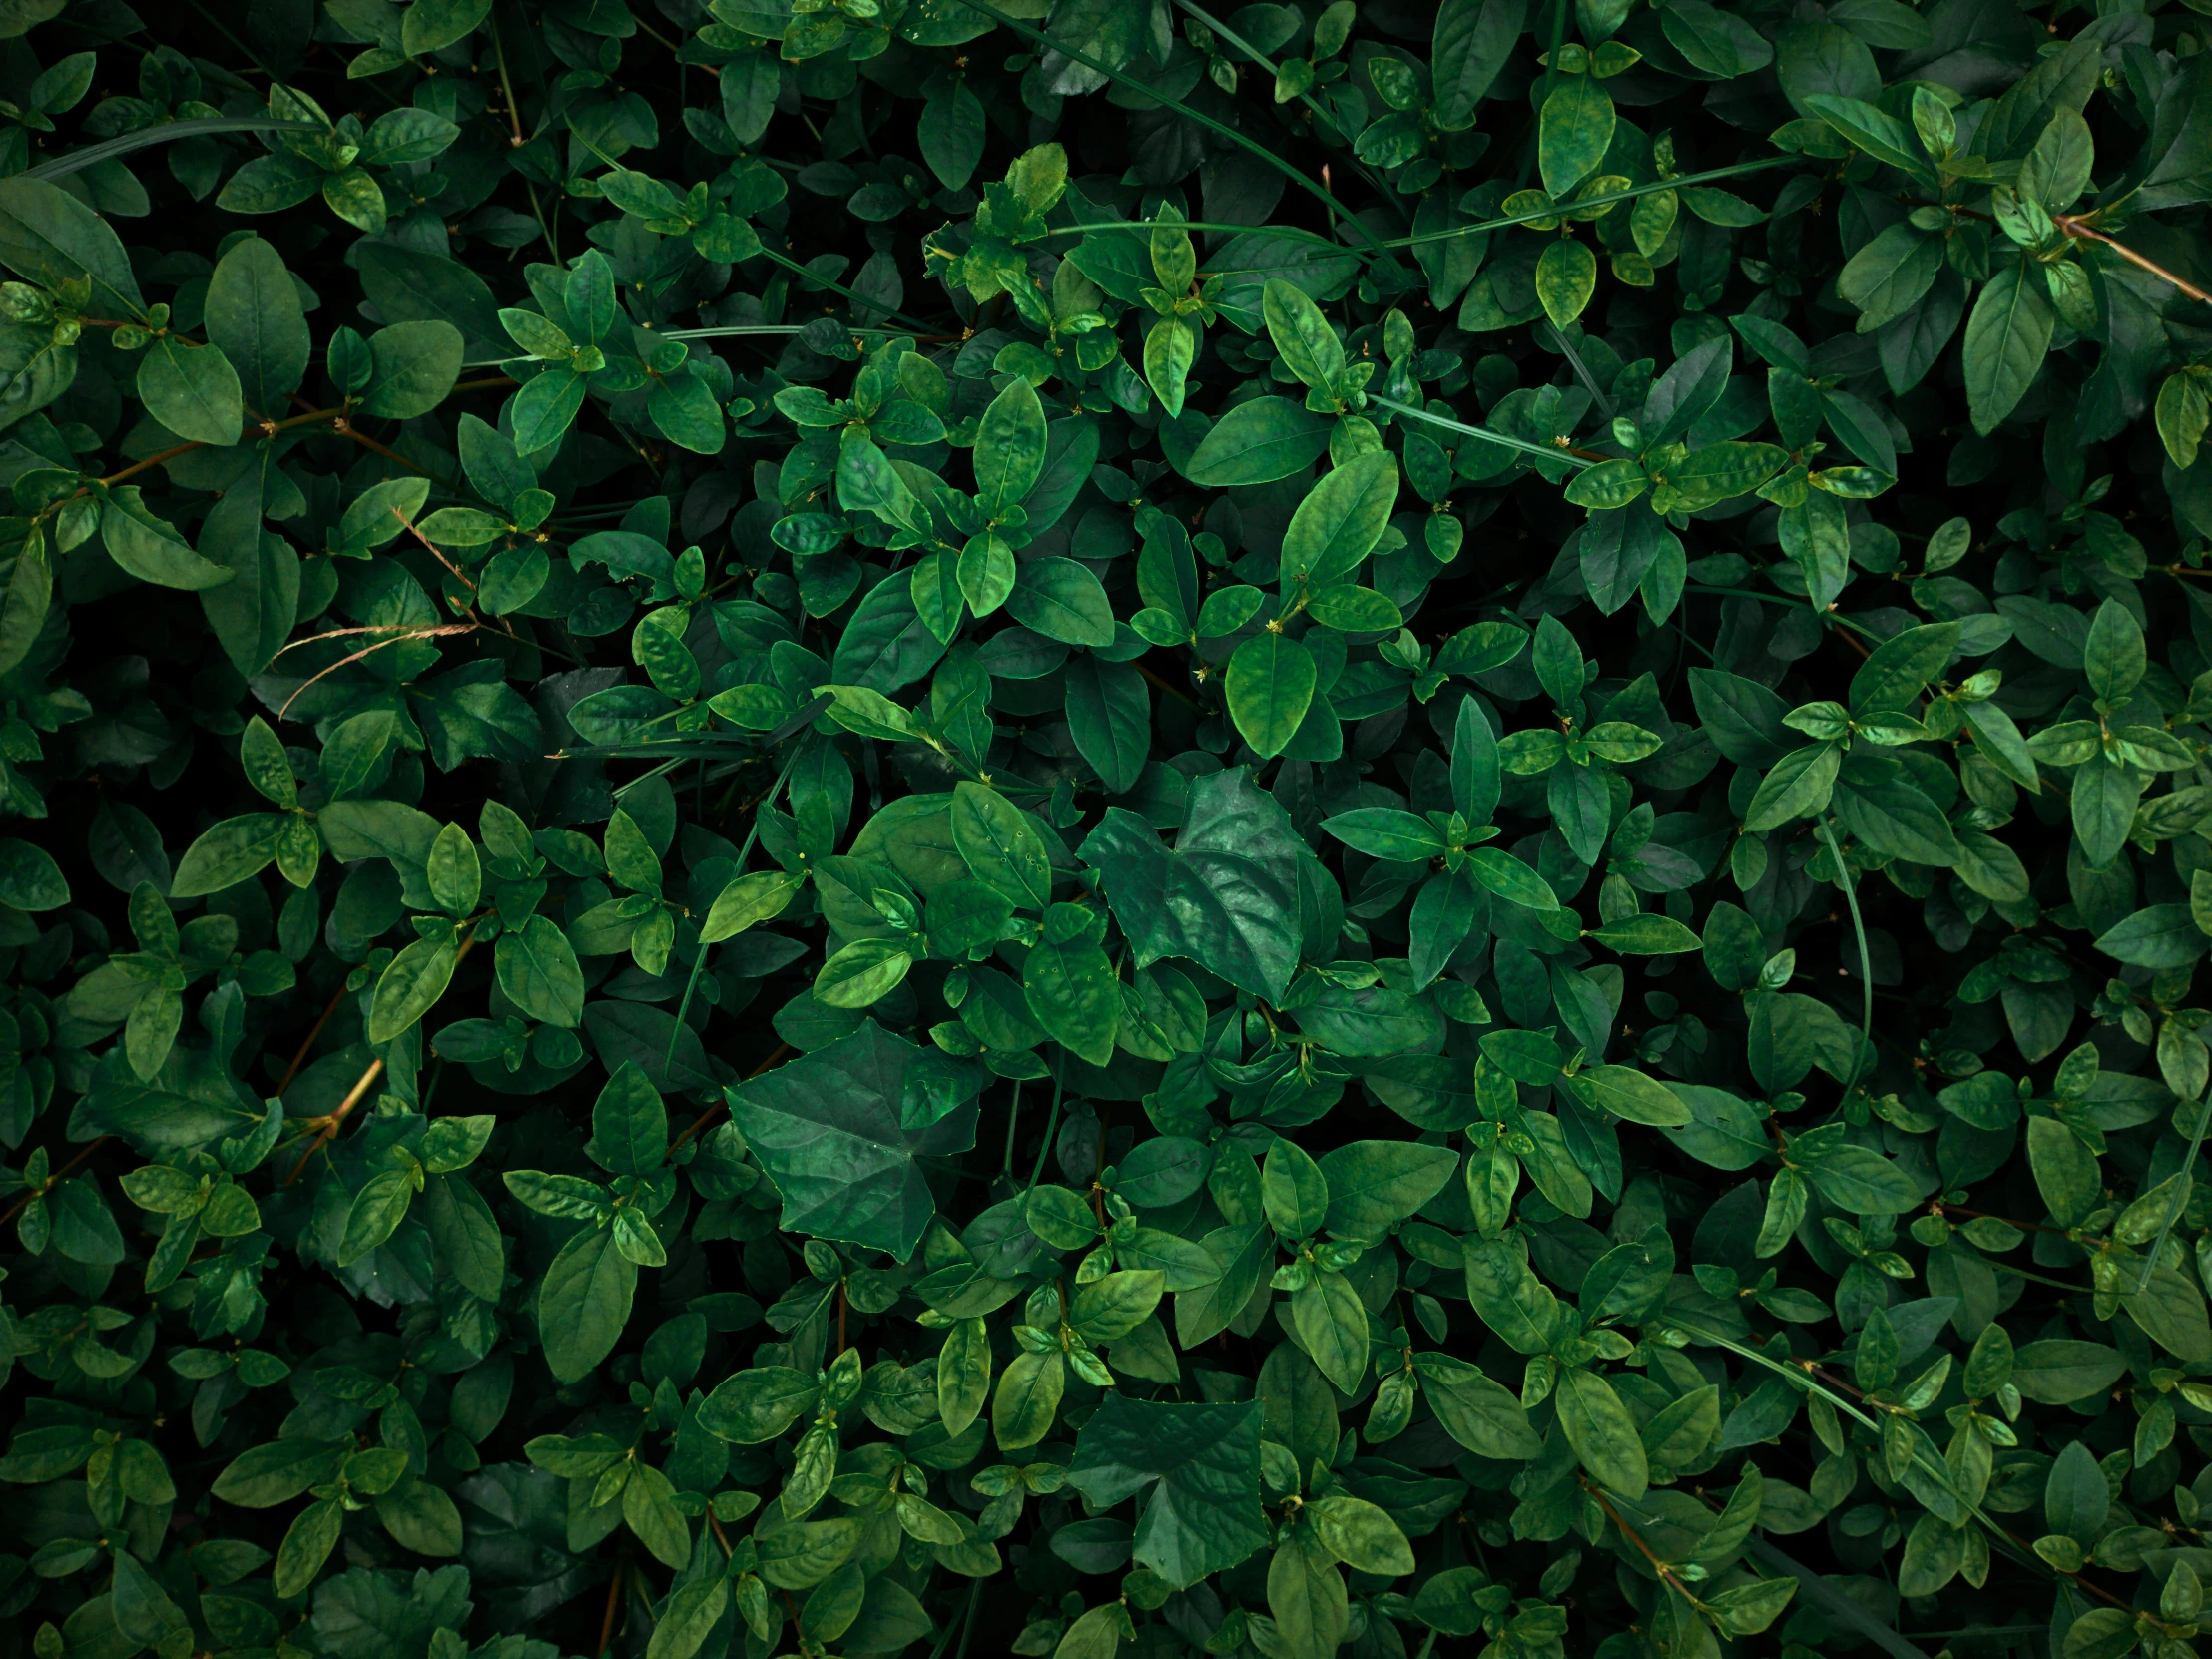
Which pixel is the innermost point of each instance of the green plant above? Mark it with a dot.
(915, 825)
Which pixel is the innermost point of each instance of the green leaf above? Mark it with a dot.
(378, 1208)
(1477, 1413)
(583, 1303)
(223, 856)
(1306, 1596)
(950, 134)
(1566, 278)
(1473, 41)
(48, 237)
(1294, 1192)
(276, 1472)
(2065, 1171)
(1645, 935)
(1509, 1297)
(253, 318)
(1226, 898)
(1199, 1468)
(1373, 1185)
(1028, 1400)
(2007, 337)
(1573, 133)
(150, 548)
(417, 364)
(254, 612)
(1862, 1182)
(2114, 656)
(1257, 443)
(1626, 1093)
(1001, 845)
(1510, 879)
(840, 1131)
(1110, 718)
(1340, 520)
(1601, 1432)
(1075, 996)
(1301, 334)
(1062, 600)
(538, 971)
(410, 986)
(1009, 449)
(2059, 1370)
(1270, 685)
(1898, 670)
(192, 390)
(308, 1544)
(1796, 785)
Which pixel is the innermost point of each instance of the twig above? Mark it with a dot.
(1866, 961)
(614, 1605)
(2075, 227)
(314, 1033)
(514, 125)
(329, 1126)
(83, 1152)
(410, 634)
(437, 552)
(707, 1116)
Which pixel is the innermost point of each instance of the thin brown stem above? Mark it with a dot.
(2075, 227)
(313, 1031)
(346, 429)
(411, 634)
(329, 1127)
(437, 552)
(83, 1152)
(150, 461)
(514, 126)
(1176, 692)
(1662, 1568)
(707, 1116)
(614, 1605)
(1940, 1208)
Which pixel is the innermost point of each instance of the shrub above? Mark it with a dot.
(935, 827)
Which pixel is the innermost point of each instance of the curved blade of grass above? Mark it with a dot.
(699, 963)
(1507, 221)
(2190, 1167)
(1833, 1601)
(146, 136)
(1816, 1587)
(791, 264)
(1922, 1455)
(913, 325)
(1286, 232)
(1258, 148)
(1260, 58)
(1865, 962)
(1581, 370)
(1525, 447)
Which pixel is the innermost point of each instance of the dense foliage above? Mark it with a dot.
(870, 826)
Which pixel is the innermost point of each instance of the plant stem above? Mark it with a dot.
(1866, 961)
(1319, 190)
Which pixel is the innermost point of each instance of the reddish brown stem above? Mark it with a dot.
(707, 1116)
(2074, 226)
(614, 1606)
(314, 1031)
(83, 1152)
(330, 1125)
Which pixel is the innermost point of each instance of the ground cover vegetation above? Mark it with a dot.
(1077, 827)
